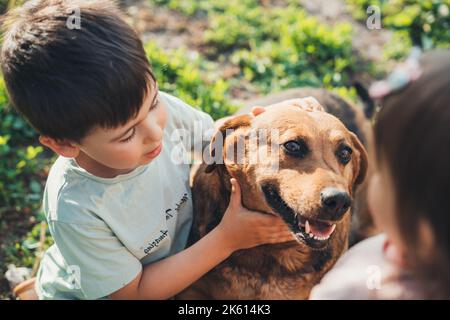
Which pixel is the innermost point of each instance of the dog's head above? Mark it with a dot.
(300, 165)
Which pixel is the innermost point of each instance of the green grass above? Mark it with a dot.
(307, 53)
(23, 168)
(189, 79)
(272, 47)
(425, 23)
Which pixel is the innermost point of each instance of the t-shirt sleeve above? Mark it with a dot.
(98, 260)
(193, 126)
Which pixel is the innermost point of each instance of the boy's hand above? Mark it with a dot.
(239, 229)
(307, 104)
(242, 228)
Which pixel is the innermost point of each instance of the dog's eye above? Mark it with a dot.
(296, 148)
(344, 154)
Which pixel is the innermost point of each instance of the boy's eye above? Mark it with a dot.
(127, 139)
(130, 136)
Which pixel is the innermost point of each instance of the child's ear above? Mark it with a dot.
(64, 148)
(426, 237)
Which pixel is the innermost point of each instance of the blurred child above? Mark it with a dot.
(408, 194)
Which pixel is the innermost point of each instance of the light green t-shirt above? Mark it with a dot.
(106, 229)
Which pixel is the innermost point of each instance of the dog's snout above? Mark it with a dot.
(335, 203)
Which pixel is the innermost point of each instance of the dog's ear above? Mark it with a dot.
(218, 141)
(363, 162)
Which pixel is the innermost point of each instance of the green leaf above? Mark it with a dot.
(21, 164)
(4, 140)
(32, 152)
(35, 186)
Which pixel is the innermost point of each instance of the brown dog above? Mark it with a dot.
(318, 165)
(357, 121)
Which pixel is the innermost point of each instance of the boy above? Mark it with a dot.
(119, 209)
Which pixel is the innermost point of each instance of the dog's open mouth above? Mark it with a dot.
(314, 233)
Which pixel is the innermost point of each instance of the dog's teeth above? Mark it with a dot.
(319, 238)
(333, 228)
(307, 228)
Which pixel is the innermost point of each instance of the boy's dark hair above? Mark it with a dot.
(67, 80)
(412, 134)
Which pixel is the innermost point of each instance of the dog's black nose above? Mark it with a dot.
(335, 203)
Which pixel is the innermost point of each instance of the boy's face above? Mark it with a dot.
(109, 152)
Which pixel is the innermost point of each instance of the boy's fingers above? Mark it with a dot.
(274, 221)
(280, 239)
(283, 230)
(279, 227)
(266, 220)
(282, 233)
(257, 110)
(235, 199)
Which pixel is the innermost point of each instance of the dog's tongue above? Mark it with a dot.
(320, 229)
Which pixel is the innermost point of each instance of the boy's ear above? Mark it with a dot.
(64, 148)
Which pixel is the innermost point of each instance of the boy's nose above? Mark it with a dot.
(153, 132)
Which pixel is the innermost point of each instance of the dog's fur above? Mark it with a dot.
(287, 270)
(358, 120)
